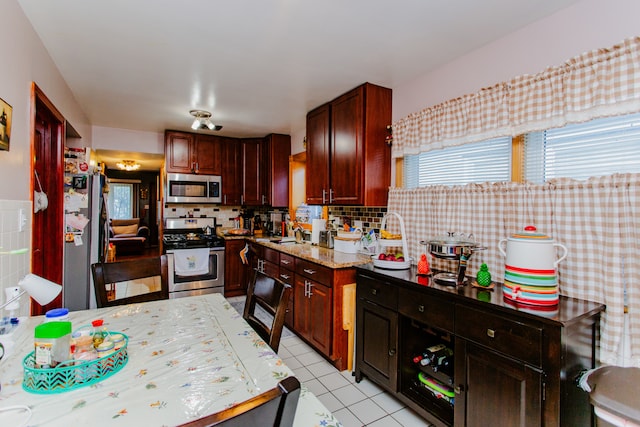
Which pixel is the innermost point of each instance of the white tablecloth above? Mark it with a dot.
(188, 357)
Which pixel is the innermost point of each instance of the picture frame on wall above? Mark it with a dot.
(5, 125)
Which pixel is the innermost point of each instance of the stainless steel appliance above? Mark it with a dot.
(188, 188)
(190, 233)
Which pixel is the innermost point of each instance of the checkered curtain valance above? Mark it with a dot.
(598, 220)
(599, 83)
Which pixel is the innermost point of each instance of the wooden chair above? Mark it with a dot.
(112, 273)
(275, 407)
(272, 295)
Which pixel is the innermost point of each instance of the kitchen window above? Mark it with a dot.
(484, 161)
(598, 147)
(122, 201)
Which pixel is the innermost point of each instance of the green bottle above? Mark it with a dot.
(483, 277)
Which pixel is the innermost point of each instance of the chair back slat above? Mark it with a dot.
(111, 273)
(275, 407)
(272, 295)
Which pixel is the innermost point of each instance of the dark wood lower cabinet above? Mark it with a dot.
(377, 345)
(499, 390)
(235, 280)
(312, 313)
(494, 364)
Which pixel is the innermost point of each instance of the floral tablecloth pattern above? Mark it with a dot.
(188, 357)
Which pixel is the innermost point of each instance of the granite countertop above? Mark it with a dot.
(323, 256)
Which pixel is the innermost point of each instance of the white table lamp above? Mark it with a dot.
(42, 290)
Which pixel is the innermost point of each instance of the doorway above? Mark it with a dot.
(47, 237)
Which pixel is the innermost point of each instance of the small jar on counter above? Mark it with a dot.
(118, 341)
(52, 344)
(57, 315)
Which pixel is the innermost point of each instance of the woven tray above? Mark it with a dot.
(74, 374)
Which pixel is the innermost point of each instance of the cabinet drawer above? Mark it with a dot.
(271, 269)
(425, 308)
(287, 276)
(378, 291)
(287, 261)
(514, 338)
(271, 255)
(314, 271)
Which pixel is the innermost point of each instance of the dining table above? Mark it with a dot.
(185, 358)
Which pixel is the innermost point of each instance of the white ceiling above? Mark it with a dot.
(257, 65)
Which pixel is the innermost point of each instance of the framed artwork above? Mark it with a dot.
(5, 125)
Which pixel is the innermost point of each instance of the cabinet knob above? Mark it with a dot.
(309, 271)
(285, 276)
(374, 291)
(421, 308)
(392, 351)
(458, 389)
(285, 261)
(491, 333)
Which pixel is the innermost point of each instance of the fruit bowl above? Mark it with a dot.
(392, 265)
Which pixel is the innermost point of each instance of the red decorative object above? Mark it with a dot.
(423, 265)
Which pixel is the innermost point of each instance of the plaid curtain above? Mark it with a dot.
(598, 220)
(599, 83)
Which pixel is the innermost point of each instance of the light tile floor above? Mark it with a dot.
(353, 404)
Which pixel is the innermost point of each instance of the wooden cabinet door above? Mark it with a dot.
(317, 168)
(275, 163)
(251, 177)
(347, 146)
(320, 317)
(178, 152)
(231, 172)
(312, 313)
(288, 277)
(234, 274)
(377, 343)
(301, 306)
(495, 389)
(207, 154)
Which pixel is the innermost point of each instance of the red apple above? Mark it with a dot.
(382, 257)
(400, 259)
(391, 257)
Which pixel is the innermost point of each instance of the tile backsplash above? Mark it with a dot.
(13, 237)
(371, 217)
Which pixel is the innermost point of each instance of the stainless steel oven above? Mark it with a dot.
(212, 281)
(182, 234)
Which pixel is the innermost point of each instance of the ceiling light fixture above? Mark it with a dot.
(203, 120)
(128, 165)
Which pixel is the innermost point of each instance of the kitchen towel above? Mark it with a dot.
(191, 262)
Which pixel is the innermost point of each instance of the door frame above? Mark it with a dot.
(52, 266)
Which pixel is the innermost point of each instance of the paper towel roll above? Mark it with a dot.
(317, 225)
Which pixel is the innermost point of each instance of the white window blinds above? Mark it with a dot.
(596, 148)
(485, 161)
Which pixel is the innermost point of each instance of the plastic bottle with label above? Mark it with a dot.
(52, 342)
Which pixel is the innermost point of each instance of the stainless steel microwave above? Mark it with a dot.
(187, 188)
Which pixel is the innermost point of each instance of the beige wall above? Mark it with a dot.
(587, 25)
(24, 60)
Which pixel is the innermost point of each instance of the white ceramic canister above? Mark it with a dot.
(531, 258)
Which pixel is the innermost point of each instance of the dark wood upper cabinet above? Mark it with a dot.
(348, 160)
(251, 171)
(193, 153)
(231, 172)
(276, 149)
(317, 169)
(255, 171)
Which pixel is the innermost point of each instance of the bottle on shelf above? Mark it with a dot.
(430, 354)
